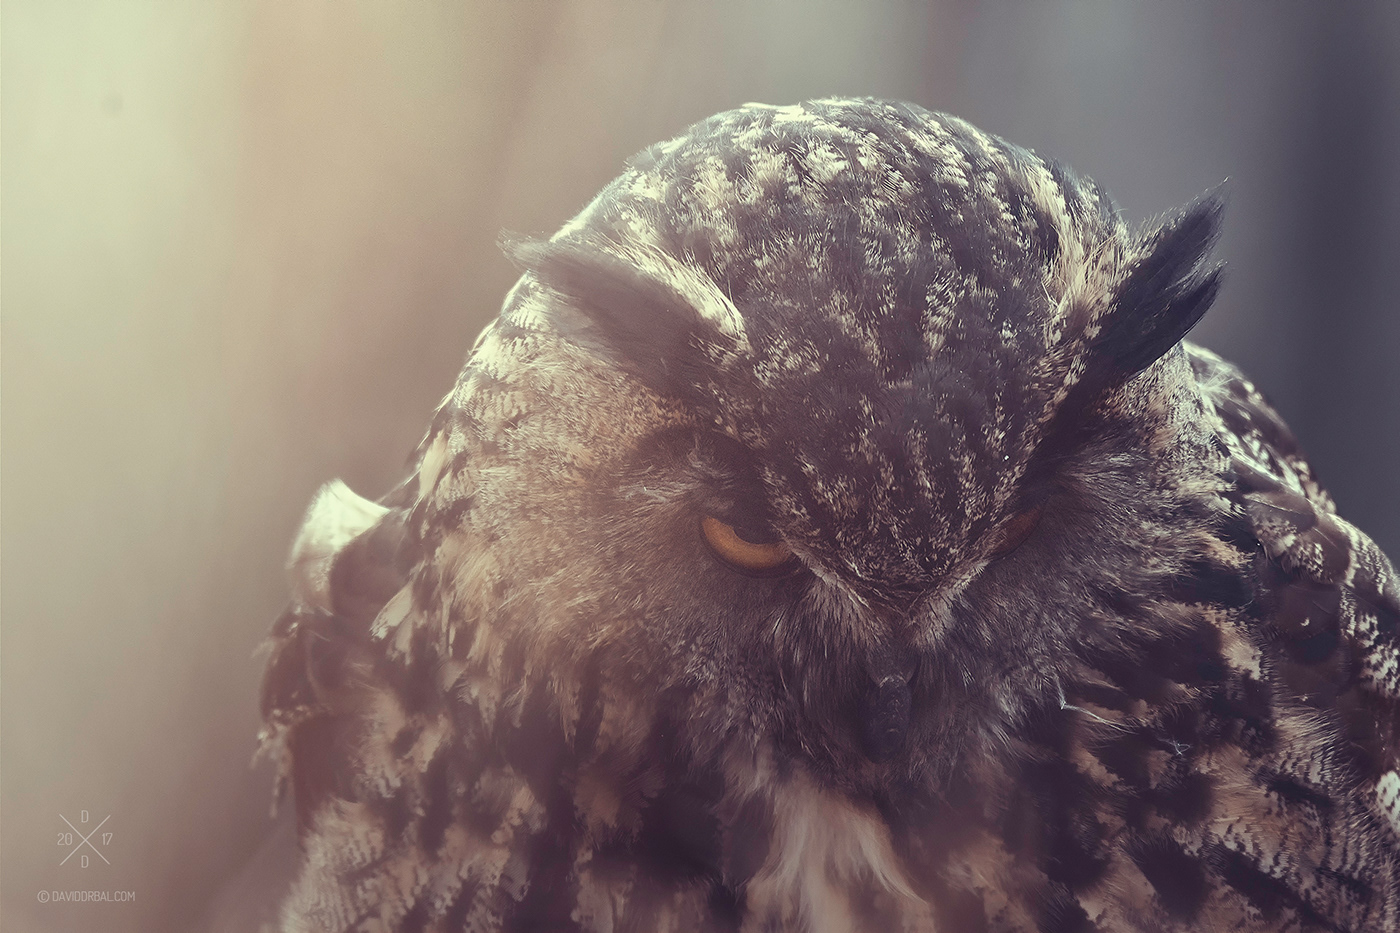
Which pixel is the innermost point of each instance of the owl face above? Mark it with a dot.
(752, 424)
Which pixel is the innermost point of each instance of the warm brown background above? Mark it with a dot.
(246, 246)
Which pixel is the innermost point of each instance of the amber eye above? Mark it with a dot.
(738, 551)
(1010, 535)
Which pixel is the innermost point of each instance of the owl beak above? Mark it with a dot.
(888, 704)
(885, 719)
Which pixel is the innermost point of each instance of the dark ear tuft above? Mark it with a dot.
(655, 330)
(1166, 293)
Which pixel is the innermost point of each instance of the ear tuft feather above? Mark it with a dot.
(1166, 293)
(665, 322)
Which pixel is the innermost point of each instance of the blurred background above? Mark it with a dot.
(246, 246)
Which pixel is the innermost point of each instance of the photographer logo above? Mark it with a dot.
(82, 841)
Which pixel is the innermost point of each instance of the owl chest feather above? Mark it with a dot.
(830, 865)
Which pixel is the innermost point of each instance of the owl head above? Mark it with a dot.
(806, 432)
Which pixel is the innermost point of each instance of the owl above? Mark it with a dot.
(834, 532)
